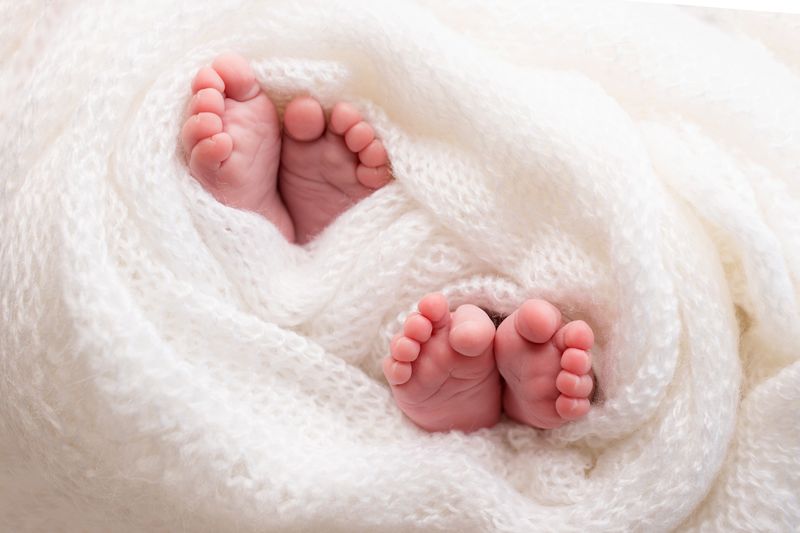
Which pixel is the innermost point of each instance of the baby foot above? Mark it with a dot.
(326, 168)
(545, 364)
(442, 370)
(233, 140)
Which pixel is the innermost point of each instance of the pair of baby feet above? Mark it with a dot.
(300, 176)
(456, 371)
(446, 370)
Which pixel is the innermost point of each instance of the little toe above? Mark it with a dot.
(404, 349)
(209, 153)
(239, 79)
(374, 155)
(537, 320)
(304, 119)
(418, 327)
(571, 408)
(434, 307)
(576, 334)
(199, 126)
(396, 372)
(208, 100)
(373, 178)
(577, 361)
(472, 331)
(343, 117)
(573, 385)
(359, 136)
(206, 78)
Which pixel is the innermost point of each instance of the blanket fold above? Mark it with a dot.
(168, 363)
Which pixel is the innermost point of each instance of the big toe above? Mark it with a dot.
(304, 119)
(472, 331)
(239, 79)
(537, 320)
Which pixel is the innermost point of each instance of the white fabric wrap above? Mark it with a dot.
(171, 364)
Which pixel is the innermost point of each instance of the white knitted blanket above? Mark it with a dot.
(170, 364)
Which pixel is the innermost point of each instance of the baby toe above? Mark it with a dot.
(207, 77)
(573, 385)
(359, 137)
(199, 126)
(304, 119)
(239, 79)
(208, 100)
(405, 349)
(434, 307)
(537, 320)
(472, 331)
(576, 334)
(374, 155)
(579, 362)
(343, 117)
(571, 408)
(373, 178)
(396, 372)
(209, 153)
(417, 327)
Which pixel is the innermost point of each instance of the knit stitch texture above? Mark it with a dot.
(171, 364)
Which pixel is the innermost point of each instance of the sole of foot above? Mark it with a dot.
(546, 365)
(327, 163)
(232, 140)
(441, 367)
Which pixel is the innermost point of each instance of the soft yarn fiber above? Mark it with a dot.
(171, 364)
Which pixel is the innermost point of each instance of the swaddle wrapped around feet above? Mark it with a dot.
(172, 363)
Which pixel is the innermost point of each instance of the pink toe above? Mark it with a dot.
(359, 136)
(209, 154)
(207, 100)
(417, 327)
(207, 77)
(405, 350)
(374, 155)
(304, 119)
(434, 307)
(537, 320)
(343, 117)
(199, 127)
(396, 372)
(577, 361)
(573, 385)
(373, 178)
(240, 81)
(577, 334)
(571, 408)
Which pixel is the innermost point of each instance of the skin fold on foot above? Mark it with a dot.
(442, 370)
(301, 175)
(546, 365)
